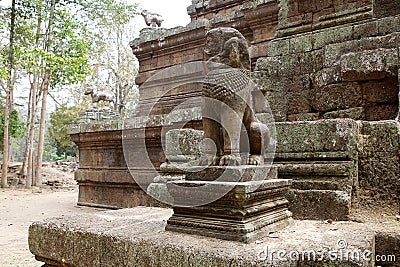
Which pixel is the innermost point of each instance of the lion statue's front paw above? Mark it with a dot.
(209, 161)
(230, 160)
(255, 160)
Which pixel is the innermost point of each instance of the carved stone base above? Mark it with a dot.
(245, 212)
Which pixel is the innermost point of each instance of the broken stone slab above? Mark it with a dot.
(137, 237)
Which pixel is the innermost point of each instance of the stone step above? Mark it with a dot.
(319, 204)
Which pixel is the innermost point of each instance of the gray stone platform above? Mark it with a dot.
(136, 237)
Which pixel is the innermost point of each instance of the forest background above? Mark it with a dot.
(52, 51)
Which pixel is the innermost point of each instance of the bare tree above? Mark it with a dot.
(4, 167)
(44, 89)
(27, 168)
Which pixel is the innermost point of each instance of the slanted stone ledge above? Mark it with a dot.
(137, 237)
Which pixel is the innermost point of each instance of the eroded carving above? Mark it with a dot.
(100, 95)
(227, 110)
(152, 19)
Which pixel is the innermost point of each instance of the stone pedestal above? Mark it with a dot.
(229, 204)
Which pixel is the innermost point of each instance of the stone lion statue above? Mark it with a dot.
(100, 95)
(227, 109)
(152, 19)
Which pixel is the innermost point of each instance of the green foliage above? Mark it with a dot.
(58, 131)
(16, 127)
(106, 12)
(67, 60)
(114, 67)
(84, 33)
(3, 50)
(3, 73)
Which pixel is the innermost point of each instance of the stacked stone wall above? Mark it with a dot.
(345, 71)
(340, 59)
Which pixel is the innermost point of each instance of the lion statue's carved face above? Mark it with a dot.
(227, 46)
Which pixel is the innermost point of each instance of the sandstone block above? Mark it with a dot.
(319, 136)
(336, 96)
(369, 65)
(351, 113)
(322, 205)
(381, 112)
(381, 91)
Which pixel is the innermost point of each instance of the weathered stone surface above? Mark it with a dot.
(136, 237)
(183, 144)
(335, 35)
(113, 196)
(323, 205)
(278, 104)
(369, 65)
(379, 137)
(352, 113)
(321, 157)
(182, 149)
(326, 76)
(231, 203)
(336, 96)
(278, 47)
(340, 135)
(356, 53)
(385, 8)
(302, 16)
(158, 189)
(387, 247)
(231, 173)
(381, 91)
(379, 112)
(303, 117)
(379, 170)
(103, 176)
(300, 103)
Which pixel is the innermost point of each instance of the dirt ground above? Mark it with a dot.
(21, 207)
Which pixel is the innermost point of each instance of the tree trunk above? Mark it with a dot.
(11, 107)
(4, 167)
(24, 167)
(31, 134)
(32, 108)
(45, 90)
(29, 169)
(38, 174)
